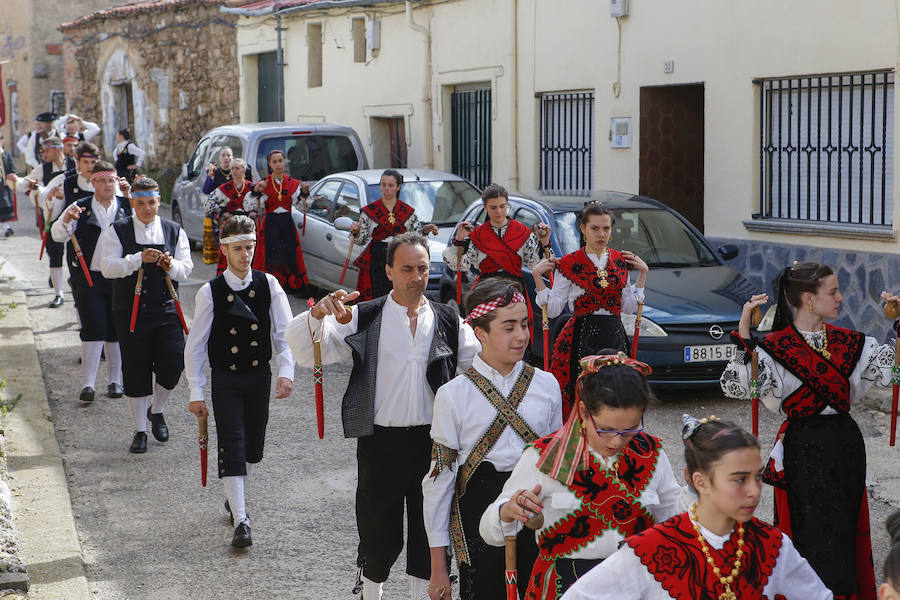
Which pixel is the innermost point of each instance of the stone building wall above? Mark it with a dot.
(179, 59)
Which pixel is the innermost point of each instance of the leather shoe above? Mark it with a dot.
(9, 231)
(139, 442)
(87, 394)
(230, 515)
(49, 282)
(242, 537)
(56, 302)
(158, 426)
(114, 390)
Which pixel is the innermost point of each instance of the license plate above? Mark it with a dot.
(718, 352)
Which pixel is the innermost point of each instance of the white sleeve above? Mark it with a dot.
(873, 368)
(60, 231)
(112, 264)
(251, 202)
(557, 299)
(631, 296)
(280, 314)
(54, 183)
(91, 130)
(301, 329)
(37, 174)
(619, 577)
(22, 143)
(735, 379)
(667, 489)
(195, 345)
(467, 347)
(182, 263)
(60, 123)
(793, 577)
(437, 492)
(139, 154)
(524, 476)
(30, 160)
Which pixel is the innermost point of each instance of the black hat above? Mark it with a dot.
(46, 117)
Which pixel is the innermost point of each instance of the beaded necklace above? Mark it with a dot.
(725, 580)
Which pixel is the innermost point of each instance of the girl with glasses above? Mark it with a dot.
(715, 550)
(593, 483)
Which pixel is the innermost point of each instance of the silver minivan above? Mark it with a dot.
(312, 151)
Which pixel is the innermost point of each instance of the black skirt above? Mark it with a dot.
(381, 285)
(593, 333)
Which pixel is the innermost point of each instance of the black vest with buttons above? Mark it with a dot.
(71, 191)
(49, 171)
(240, 336)
(154, 293)
(87, 232)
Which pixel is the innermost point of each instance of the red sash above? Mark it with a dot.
(671, 553)
(378, 212)
(502, 253)
(607, 504)
(294, 276)
(235, 197)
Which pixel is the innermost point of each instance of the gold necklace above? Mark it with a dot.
(391, 218)
(278, 186)
(825, 353)
(603, 273)
(726, 581)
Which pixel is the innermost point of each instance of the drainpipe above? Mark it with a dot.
(426, 88)
(514, 176)
(279, 68)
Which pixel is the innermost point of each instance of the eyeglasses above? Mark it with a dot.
(611, 433)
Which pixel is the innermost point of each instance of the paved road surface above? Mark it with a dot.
(150, 531)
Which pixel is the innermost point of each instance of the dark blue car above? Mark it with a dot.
(692, 298)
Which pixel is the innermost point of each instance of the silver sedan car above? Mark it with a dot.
(437, 196)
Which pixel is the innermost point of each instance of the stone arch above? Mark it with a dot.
(125, 102)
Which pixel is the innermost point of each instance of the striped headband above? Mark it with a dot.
(52, 145)
(486, 307)
(69, 138)
(244, 237)
(145, 194)
(97, 174)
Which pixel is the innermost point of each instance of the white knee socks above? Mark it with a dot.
(90, 361)
(113, 362)
(160, 395)
(138, 408)
(56, 278)
(371, 590)
(234, 492)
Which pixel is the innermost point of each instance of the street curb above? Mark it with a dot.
(48, 540)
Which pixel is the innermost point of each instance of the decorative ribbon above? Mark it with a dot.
(486, 307)
(98, 174)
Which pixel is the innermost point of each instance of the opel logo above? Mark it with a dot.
(716, 332)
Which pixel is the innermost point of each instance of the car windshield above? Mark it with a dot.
(309, 157)
(438, 202)
(656, 235)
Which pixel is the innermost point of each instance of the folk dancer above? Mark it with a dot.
(239, 319)
(87, 219)
(592, 283)
(278, 248)
(596, 481)
(219, 174)
(129, 157)
(71, 125)
(157, 248)
(379, 222)
(226, 200)
(404, 347)
(717, 549)
(482, 422)
(813, 372)
(43, 129)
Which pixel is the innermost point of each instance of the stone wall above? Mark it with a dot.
(862, 277)
(180, 61)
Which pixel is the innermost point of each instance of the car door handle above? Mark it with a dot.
(328, 236)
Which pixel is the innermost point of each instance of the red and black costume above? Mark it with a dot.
(820, 495)
(278, 249)
(586, 333)
(372, 281)
(235, 202)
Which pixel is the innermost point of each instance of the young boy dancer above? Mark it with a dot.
(239, 319)
(155, 248)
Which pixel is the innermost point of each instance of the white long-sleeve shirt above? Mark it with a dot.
(113, 265)
(661, 496)
(403, 397)
(564, 293)
(461, 416)
(90, 131)
(195, 347)
(133, 148)
(623, 577)
(60, 231)
(22, 145)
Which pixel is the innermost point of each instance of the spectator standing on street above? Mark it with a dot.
(157, 249)
(87, 219)
(239, 320)
(128, 156)
(404, 347)
(8, 209)
(220, 174)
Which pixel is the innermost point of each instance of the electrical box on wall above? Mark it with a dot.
(373, 35)
(620, 132)
(618, 8)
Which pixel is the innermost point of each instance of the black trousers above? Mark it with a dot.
(483, 577)
(392, 464)
(156, 348)
(241, 408)
(381, 285)
(94, 305)
(55, 251)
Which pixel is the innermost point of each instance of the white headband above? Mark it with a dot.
(244, 237)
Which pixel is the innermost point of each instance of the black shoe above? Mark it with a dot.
(56, 302)
(114, 390)
(230, 515)
(87, 394)
(9, 232)
(158, 426)
(139, 442)
(49, 282)
(241, 537)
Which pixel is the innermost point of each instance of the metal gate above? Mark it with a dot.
(471, 137)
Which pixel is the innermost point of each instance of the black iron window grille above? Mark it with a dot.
(826, 148)
(471, 135)
(567, 142)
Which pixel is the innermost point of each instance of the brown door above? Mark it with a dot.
(398, 143)
(671, 146)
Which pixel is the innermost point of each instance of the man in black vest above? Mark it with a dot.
(156, 249)
(86, 220)
(238, 318)
(388, 402)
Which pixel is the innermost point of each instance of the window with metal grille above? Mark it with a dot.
(567, 142)
(826, 147)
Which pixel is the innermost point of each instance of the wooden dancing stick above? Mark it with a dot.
(137, 298)
(547, 256)
(545, 325)
(317, 381)
(892, 311)
(80, 254)
(174, 296)
(203, 441)
(347, 262)
(637, 330)
(755, 319)
(511, 575)
(459, 253)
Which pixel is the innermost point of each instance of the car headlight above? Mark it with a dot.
(768, 319)
(648, 327)
(435, 269)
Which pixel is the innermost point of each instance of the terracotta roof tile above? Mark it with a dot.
(135, 7)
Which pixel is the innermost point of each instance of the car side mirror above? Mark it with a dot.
(343, 223)
(728, 251)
